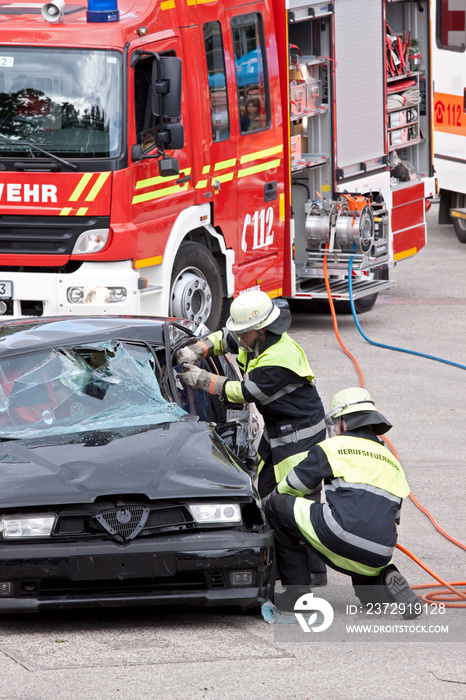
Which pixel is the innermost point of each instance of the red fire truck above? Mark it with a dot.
(165, 155)
(449, 73)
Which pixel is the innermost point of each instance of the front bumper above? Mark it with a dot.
(194, 569)
(45, 293)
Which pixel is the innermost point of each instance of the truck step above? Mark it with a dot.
(339, 289)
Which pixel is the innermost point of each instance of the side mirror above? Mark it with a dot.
(169, 166)
(166, 87)
(172, 136)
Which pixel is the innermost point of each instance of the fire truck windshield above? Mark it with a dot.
(66, 101)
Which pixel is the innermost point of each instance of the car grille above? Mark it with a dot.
(57, 587)
(124, 522)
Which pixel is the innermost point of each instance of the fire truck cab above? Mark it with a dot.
(162, 156)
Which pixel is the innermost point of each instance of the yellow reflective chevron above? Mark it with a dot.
(101, 180)
(220, 172)
(267, 153)
(80, 187)
(83, 183)
(270, 165)
(221, 165)
(162, 192)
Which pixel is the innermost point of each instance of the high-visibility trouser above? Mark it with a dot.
(302, 509)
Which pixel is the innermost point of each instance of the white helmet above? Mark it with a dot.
(251, 311)
(358, 401)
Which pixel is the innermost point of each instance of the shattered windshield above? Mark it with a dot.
(67, 102)
(100, 386)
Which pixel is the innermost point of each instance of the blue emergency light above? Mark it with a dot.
(102, 11)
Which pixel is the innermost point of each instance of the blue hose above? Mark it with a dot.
(381, 345)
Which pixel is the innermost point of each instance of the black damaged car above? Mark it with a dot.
(118, 486)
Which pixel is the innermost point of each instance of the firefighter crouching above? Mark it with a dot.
(355, 531)
(277, 378)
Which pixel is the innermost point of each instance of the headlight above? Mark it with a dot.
(31, 526)
(96, 295)
(216, 513)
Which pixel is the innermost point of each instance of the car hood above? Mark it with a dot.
(183, 460)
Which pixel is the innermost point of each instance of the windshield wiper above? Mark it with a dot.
(72, 166)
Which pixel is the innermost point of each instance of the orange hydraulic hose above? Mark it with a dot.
(335, 324)
(438, 597)
(429, 598)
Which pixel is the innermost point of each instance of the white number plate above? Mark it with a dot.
(6, 290)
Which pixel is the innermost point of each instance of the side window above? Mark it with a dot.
(251, 72)
(217, 81)
(451, 26)
(146, 122)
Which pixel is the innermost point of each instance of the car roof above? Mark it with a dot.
(48, 332)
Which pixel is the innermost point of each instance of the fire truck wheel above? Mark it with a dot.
(196, 286)
(458, 201)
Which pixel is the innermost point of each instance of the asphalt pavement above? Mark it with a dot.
(189, 655)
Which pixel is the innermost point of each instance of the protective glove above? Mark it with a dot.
(197, 378)
(191, 354)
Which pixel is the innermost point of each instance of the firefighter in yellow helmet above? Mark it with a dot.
(276, 377)
(355, 531)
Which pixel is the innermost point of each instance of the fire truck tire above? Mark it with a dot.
(196, 286)
(458, 201)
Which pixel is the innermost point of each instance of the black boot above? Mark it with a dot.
(318, 579)
(399, 591)
(286, 600)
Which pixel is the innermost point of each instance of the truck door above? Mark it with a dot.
(258, 127)
(156, 200)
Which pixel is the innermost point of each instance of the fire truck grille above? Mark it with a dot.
(46, 235)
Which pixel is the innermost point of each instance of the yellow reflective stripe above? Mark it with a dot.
(259, 168)
(200, 184)
(225, 164)
(81, 211)
(65, 211)
(205, 169)
(147, 262)
(276, 293)
(261, 154)
(284, 467)
(168, 4)
(103, 177)
(159, 193)
(80, 187)
(141, 184)
(223, 178)
(281, 207)
(405, 254)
